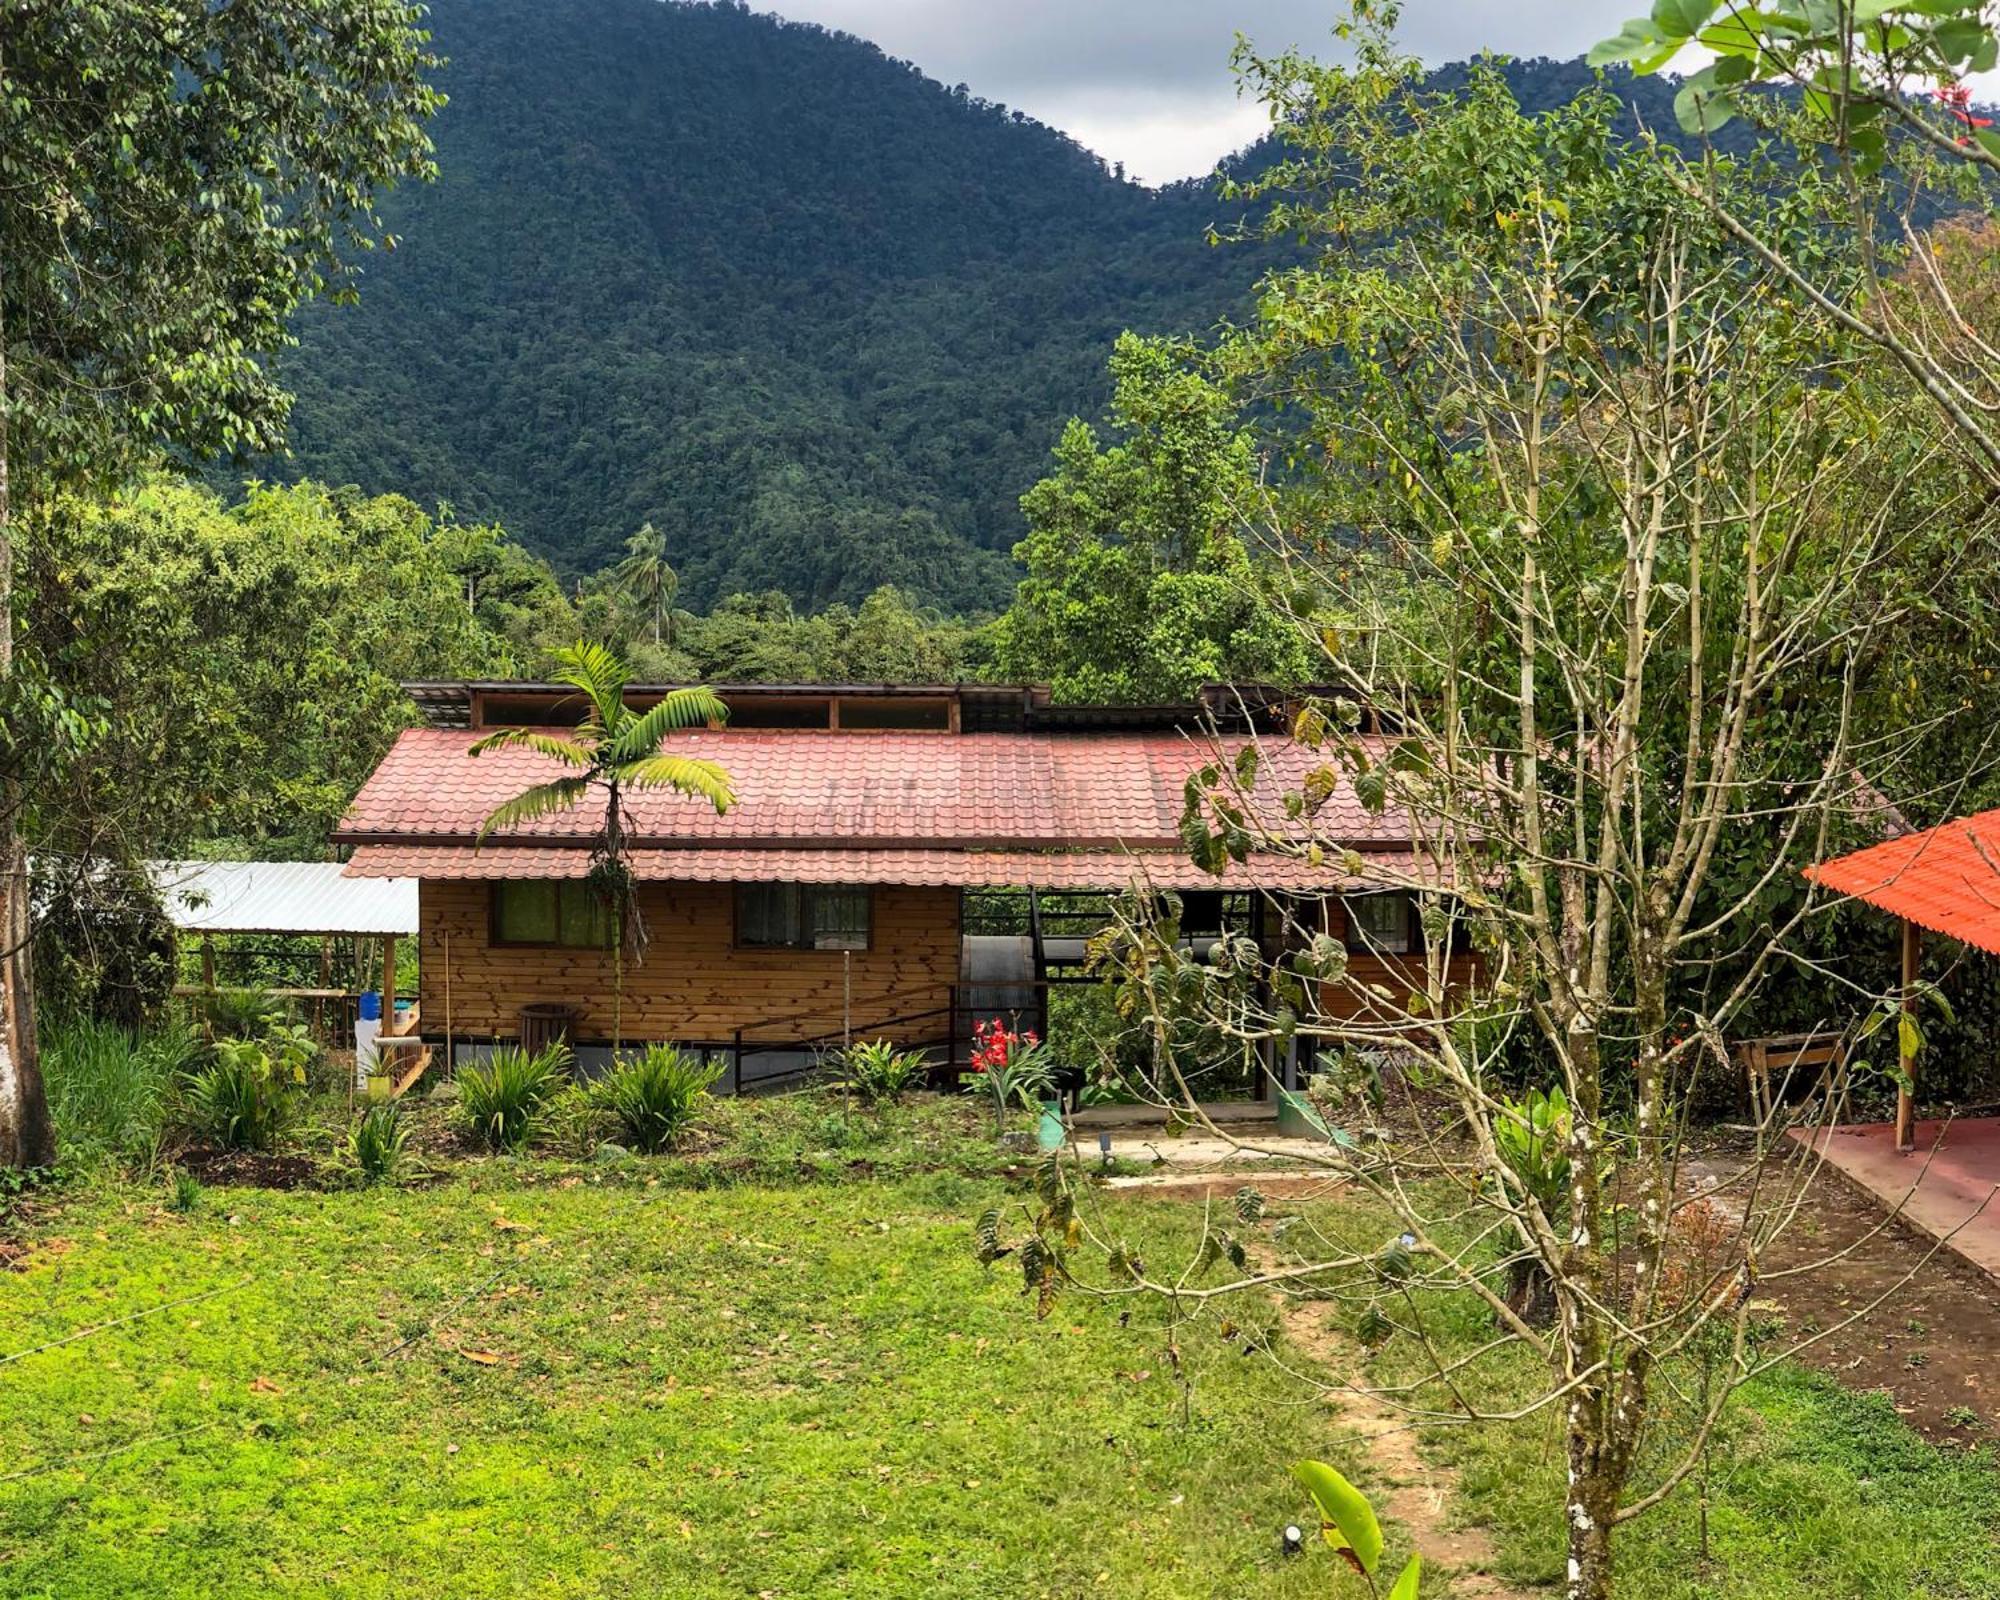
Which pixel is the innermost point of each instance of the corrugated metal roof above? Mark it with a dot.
(1946, 879)
(282, 897)
(964, 869)
(863, 790)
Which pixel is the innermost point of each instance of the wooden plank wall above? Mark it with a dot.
(693, 984)
(1346, 998)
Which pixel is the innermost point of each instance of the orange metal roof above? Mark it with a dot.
(1946, 879)
(861, 791)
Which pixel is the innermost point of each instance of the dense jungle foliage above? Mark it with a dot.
(815, 316)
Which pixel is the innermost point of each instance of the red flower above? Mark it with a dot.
(1956, 99)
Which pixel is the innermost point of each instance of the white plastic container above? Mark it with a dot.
(367, 1028)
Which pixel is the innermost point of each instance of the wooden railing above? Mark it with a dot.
(399, 1036)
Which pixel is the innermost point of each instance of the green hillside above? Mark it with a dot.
(813, 314)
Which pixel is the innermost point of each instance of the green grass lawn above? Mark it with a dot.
(1816, 1494)
(800, 1390)
(769, 1365)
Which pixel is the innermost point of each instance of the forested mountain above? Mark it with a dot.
(814, 315)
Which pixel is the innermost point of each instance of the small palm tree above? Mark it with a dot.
(646, 577)
(616, 750)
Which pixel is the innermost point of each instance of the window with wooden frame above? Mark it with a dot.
(547, 911)
(803, 916)
(1381, 924)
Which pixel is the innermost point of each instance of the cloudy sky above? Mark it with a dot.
(1147, 82)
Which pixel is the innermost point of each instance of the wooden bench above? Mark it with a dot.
(1784, 1054)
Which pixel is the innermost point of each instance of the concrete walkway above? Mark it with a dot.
(1948, 1190)
(1193, 1157)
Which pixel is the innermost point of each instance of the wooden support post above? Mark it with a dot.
(388, 983)
(208, 963)
(325, 982)
(1905, 1101)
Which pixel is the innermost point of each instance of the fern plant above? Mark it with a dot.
(241, 1013)
(655, 1095)
(501, 1102)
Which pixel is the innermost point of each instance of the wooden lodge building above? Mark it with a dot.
(899, 862)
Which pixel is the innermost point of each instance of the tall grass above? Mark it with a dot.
(108, 1091)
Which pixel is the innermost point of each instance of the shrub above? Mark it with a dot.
(241, 1013)
(877, 1070)
(1533, 1140)
(104, 949)
(572, 1123)
(108, 1089)
(501, 1102)
(243, 1099)
(654, 1095)
(293, 1049)
(375, 1143)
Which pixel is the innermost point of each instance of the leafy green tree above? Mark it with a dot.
(1627, 529)
(175, 180)
(752, 638)
(254, 655)
(891, 641)
(1877, 98)
(511, 592)
(1142, 584)
(647, 580)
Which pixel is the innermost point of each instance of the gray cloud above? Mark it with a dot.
(1147, 82)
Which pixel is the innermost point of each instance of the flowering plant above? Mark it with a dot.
(994, 1044)
(1956, 99)
(1011, 1065)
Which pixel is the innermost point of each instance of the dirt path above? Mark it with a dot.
(1933, 1346)
(1420, 1494)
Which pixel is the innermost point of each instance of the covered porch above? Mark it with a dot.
(1942, 1175)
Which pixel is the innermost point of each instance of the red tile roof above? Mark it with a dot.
(1946, 879)
(857, 790)
(969, 869)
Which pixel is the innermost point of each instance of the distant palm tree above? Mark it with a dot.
(646, 577)
(614, 749)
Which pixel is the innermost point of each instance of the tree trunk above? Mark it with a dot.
(1588, 1513)
(27, 1139)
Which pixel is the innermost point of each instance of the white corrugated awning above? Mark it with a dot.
(282, 897)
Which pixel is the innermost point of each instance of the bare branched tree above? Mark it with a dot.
(1610, 522)
(1874, 97)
